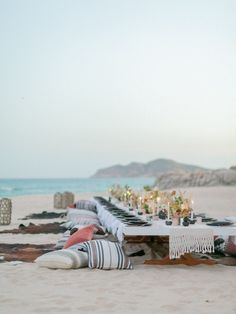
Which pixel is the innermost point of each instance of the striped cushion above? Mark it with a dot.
(84, 218)
(104, 254)
(85, 204)
(63, 259)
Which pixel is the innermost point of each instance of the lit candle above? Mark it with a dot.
(140, 200)
(192, 210)
(168, 211)
(131, 201)
(153, 208)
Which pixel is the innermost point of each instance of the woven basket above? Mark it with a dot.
(5, 211)
(58, 200)
(67, 199)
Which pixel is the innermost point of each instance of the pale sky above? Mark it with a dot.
(89, 84)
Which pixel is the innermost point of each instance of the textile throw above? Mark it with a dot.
(186, 240)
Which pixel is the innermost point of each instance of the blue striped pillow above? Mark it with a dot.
(104, 254)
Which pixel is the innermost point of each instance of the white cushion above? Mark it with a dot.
(63, 259)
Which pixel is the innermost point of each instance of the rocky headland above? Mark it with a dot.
(150, 169)
(220, 177)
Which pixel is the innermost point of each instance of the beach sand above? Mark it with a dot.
(26, 288)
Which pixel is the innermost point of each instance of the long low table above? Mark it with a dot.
(159, 229)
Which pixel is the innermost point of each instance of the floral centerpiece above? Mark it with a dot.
(179, 205)
(116, 191)
(123, 194)
(152, 201)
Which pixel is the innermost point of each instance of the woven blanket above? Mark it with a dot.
(187, 240)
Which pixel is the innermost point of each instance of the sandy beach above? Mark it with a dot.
(26, 288)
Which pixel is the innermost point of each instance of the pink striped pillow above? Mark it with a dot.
(81, 235)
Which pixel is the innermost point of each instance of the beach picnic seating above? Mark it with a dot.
(85, 237)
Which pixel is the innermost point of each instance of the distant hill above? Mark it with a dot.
(220, 177)
(150, 169)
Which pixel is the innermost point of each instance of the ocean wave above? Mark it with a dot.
(16, 187)
(9, 189)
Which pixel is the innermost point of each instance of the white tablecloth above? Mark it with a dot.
(194, 238)
(112, 224)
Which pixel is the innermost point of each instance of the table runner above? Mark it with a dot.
(187, 240)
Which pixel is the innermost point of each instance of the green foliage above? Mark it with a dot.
(147, 188)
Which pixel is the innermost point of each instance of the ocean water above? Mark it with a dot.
(15, 187)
